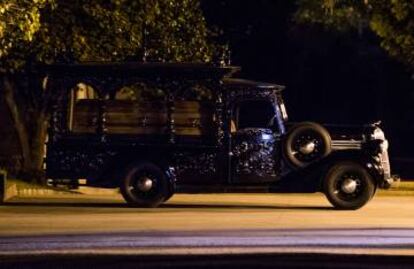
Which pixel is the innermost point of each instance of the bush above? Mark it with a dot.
(12, 165)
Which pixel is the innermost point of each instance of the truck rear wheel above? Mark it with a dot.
(145, 185)
(305, 143)
(348, 185)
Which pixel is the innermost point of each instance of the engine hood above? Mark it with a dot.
(342, 131)
(346, 132)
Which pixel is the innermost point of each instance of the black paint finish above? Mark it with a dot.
(245, 157)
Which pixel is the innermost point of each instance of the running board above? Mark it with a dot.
(222, 189)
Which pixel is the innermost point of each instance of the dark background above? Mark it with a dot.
(331, 77)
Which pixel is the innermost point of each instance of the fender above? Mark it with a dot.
(310, 178)
(362, 157)
(172, 178)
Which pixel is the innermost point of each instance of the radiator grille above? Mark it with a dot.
(385, 162)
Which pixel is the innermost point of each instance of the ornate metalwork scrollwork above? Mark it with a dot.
(254, 152)
(77, 162)
(203, 163)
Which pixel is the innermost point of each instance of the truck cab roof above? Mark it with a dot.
(142, 69)
(250, 84)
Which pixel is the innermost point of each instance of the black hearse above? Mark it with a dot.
(154, 129)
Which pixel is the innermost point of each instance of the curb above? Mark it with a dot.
(32, 192)
(14, 188)
(97, 191)
(402, 186)
(10, 191)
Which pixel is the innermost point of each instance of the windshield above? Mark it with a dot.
(254, 114)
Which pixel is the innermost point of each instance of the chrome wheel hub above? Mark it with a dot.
(349, 185)
(145, 184)
(307, 148)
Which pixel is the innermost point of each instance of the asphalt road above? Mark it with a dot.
(207, 224)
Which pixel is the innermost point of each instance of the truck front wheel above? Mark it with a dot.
(144, 185)
(348, 185)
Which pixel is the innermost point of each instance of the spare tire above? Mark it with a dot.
(306, 142)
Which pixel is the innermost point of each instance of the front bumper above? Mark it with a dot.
(388, 182)
(388, 179)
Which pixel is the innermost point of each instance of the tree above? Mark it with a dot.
(50, 31)
(391, 20)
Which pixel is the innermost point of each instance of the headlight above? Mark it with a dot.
(377, 159)
(384, 145)
(378, 134)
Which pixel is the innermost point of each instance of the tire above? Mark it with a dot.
(145, 185)
(168, 196)
(305, 143)
(348, 185)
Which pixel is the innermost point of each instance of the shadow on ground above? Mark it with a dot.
(207, 261)
(164, 206)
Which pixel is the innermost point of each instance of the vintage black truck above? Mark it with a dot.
(154, 129)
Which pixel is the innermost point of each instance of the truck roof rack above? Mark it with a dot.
(140, 69)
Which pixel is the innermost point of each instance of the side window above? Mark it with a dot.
(83, 109)
(126, 93)
(138, 92)
(84, 92)
(136, 109)
(193, 118)
(253, 114)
